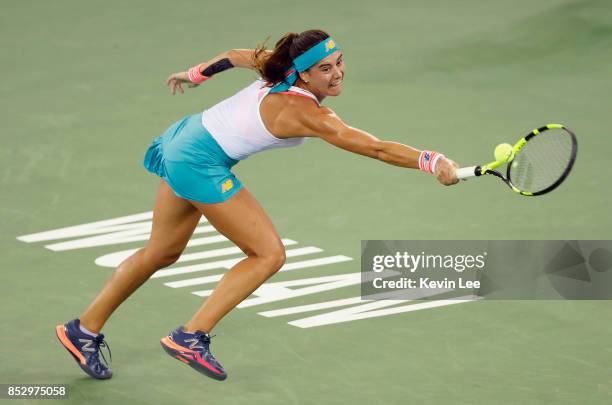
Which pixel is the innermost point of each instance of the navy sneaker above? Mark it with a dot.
(85, 349)
(194, 349)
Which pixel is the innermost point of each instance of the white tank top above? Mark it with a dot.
(236, 123)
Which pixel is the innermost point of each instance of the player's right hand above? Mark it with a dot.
(446, 171)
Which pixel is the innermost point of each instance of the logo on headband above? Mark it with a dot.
(329, 45)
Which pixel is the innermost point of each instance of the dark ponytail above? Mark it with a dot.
(272, 67)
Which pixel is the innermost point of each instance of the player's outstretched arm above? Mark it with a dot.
(242, 58)
(325, 124)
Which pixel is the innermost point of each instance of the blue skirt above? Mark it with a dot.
(192, 162)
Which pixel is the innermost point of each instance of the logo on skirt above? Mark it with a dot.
(227, 186)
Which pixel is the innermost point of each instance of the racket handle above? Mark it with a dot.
(466, 172)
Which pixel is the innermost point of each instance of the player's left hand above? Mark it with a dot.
(176, 80)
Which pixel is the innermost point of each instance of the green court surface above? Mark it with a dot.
(83, 95)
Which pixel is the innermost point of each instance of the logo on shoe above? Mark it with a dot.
(194, 344)
(87, 346)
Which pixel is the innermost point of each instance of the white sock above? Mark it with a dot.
(88, 332)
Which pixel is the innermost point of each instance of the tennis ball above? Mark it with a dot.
(504, 152)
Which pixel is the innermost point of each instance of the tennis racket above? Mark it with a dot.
(540, 163)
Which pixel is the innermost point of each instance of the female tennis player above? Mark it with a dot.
(194, 157)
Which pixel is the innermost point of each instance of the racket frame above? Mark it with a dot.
(489, 168)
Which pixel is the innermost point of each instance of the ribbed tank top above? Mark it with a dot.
(236, 123)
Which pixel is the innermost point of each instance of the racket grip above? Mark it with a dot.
(466, 172)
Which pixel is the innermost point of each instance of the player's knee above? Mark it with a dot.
(160, 259)
(276, 257)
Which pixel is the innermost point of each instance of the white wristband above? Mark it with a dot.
(428, 160)
(435, 161)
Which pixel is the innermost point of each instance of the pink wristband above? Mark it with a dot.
(428, 160)
(195, 76)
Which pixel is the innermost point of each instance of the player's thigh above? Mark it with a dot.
(243, 221)
(174, 220)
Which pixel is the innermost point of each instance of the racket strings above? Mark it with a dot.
(542, 161)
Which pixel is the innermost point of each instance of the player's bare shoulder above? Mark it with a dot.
(288, 116)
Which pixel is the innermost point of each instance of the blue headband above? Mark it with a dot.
(309, 58)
